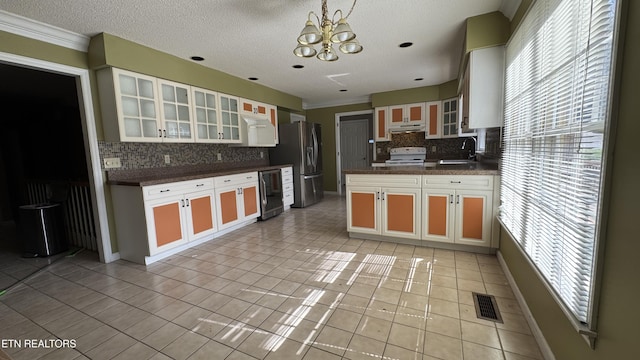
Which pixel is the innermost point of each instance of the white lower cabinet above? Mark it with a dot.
(457, 209)
(386, 205)
(177, 219)
(151, 220)
(237, 198)
(155, 221)
(287, 187)
(449, 209)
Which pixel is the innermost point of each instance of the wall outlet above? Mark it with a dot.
(261, 154)
(167, 159)
(112, 163)
(219, 156)
(433, 148)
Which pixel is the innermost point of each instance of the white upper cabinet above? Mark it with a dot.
(175, 111)
(381, 120)
(141, 108)
(255, 109)
(433, 120)
(215, 116)
(483, 89)
(205, 115)
(229, 119)
(450, 118)
(129, 104)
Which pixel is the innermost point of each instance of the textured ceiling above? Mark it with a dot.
(255, 38)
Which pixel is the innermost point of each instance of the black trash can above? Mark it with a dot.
(42, 230)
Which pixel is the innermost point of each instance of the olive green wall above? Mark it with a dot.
(19, 45)
(327, 118)
(449, 89)
(487, 30)
(413, 95)
(618, 330)
(109, 50)
(406, 96)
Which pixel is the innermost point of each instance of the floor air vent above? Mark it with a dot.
(486, 307)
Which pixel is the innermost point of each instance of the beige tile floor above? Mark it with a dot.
(293, 287)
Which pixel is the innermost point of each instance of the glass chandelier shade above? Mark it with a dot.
(328, 32)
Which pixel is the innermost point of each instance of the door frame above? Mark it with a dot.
(96, 179)
(338, 116)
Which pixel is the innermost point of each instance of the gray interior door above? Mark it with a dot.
(354, 145)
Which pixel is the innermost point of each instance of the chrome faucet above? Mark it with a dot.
(472, 156)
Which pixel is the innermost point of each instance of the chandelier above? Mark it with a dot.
(332, 33)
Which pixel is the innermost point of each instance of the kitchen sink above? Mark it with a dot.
(455, 162)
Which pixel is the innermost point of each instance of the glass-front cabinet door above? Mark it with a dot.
(229, 119)
(205, 105)
(450, 118)
(175, 111)
(137, 100)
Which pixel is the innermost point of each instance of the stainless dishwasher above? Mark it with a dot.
(270, 193)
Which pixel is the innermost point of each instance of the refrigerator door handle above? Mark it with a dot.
(309, 155)
(315, 149)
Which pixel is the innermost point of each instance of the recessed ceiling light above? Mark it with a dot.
(197, 58)
(253, 78)
(297, 66)
(343, 90)
(405, 44)
(418, 79)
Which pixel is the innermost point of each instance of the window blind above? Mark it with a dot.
(558, 71)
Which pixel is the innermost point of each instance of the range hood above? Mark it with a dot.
(404, 128)
(256, 131)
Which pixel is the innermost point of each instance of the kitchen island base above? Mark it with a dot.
(425, 243)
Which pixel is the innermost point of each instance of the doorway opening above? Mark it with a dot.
(42, 161)
(354, 143)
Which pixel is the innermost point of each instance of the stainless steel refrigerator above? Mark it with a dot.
(301, 146)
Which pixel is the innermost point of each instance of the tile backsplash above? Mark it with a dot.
(135, 155)
(450, 148)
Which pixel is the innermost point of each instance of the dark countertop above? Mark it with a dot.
(146, 177)
(475, 168)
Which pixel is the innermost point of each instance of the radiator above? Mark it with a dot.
(78, 212)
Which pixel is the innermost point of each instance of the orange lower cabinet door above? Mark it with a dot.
(228, 206)
(437, 215)
(201, 214)
(363, 210)
(401, 213)
(250, 205)
(472, 217)
(167, 223)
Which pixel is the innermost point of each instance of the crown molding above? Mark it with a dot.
(33, 29)
(339, 102)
